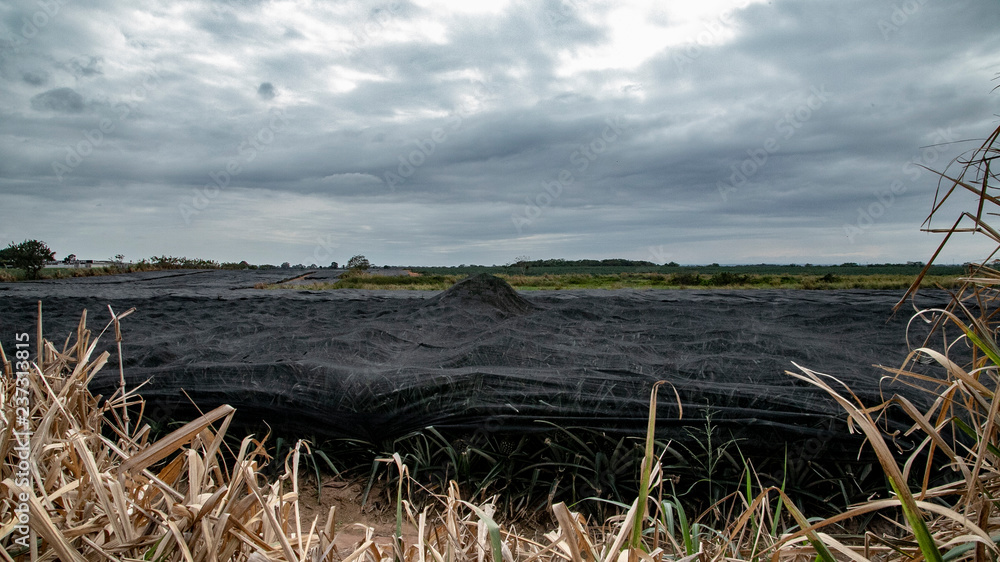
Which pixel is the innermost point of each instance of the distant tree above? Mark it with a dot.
(237, 266)
(358, 263)
(70, 258)
(286, 265)
(522, 262)
(119, 261)
(334, 265)
(30, 255)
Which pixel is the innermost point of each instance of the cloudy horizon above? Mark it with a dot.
(440, 133)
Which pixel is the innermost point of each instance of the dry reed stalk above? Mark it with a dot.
(96, 490)
(956, 519)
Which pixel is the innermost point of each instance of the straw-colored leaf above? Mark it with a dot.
(899, 485)
(177, 438)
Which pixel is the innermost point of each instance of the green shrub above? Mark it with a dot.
(726, 278)
(686, 279)
(28, 256)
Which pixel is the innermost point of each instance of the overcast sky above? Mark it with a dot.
(432, 132)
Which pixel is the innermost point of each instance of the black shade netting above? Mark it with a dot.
(483, 357)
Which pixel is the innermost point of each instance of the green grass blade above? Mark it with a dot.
(987, 346)
(327, 460)
(690, 543)
(966, 429)
(781, 500)
(822, 551)
(635, 540)
(494, 530)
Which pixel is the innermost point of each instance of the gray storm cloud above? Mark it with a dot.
(61, 100)
(439, 134)
(266, 91)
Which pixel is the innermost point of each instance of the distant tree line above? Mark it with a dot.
(31, 256)
(614, 262)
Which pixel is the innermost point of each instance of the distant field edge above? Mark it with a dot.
(649, 280)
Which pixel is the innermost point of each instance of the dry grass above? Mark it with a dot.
(100, 490)
(957, 519)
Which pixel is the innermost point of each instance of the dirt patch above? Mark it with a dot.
(354, 522)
